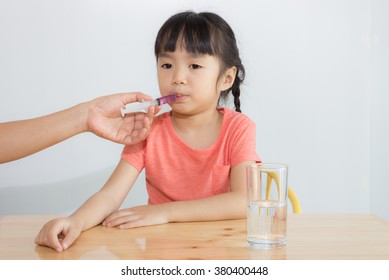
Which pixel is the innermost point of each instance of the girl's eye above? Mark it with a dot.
(166, 66)
(195, 66)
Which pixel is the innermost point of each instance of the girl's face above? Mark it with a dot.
(194, 79)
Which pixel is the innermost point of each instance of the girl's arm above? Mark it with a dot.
(59, 234)
(109, 198)
(230, 205)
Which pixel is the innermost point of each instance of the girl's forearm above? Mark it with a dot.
(220, 207)
(95, 210)
(109, 198)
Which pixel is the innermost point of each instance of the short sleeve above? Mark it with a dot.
(244, 143)
(135, 155)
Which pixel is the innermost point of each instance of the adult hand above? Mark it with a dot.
(101, 116)
(104, 118)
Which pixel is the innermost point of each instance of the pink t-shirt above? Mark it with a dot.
(175, 171)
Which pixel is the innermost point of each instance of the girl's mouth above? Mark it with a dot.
(180, 97)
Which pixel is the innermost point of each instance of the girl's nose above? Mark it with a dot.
(179, 79)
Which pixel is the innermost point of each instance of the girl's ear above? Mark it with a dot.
(228, 78)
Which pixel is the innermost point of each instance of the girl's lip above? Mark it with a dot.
(180, 97)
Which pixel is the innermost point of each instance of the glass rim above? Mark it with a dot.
(267, 165)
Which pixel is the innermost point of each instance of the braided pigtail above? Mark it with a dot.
(235, 88)
(236, 93)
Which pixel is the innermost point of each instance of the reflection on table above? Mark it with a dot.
(310, 236)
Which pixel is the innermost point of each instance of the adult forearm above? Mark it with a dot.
(22, 138)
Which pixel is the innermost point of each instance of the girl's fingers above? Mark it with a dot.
(117, 218)
(50, 238)
(70, 237)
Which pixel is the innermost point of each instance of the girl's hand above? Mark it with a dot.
(138, 216)
(58, 234)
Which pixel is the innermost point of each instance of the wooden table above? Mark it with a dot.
(310, 236)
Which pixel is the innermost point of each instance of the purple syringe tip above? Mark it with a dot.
(166, 99)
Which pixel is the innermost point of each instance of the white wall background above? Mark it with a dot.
(317, 87)
(379, 113)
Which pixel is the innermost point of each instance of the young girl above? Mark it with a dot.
(195, 155)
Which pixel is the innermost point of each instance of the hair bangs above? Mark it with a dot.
(188, 31)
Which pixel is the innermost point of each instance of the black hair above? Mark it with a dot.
(204, 33)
